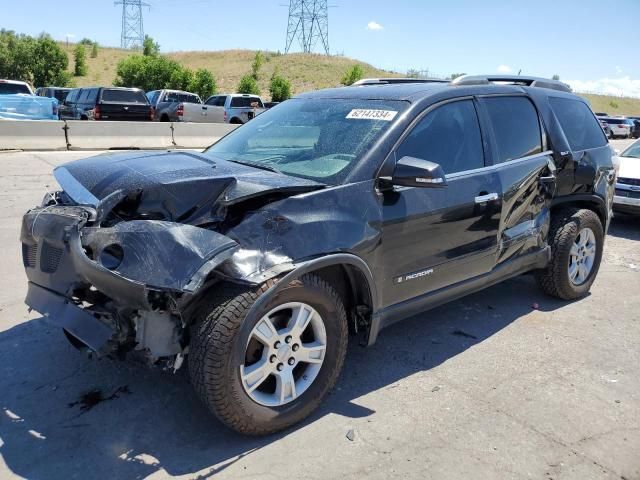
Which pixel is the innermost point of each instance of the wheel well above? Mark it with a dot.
(586, 204)
(164, 117)
(354, 290)
(235, 121)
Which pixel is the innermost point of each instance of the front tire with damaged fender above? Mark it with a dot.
(262, 373)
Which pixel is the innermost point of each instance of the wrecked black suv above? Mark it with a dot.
(340, 210)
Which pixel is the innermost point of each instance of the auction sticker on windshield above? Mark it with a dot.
(364, 114)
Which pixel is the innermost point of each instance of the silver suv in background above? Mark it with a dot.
(177, 106)
(235, 108)
(619, 127)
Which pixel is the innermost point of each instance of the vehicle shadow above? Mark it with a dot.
(150, 419)
(625, 226)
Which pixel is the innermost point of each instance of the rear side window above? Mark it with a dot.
(217, 101)
(449, 136)
(181, 97)
(73, 96)
(153, 96)
(516, 127)
(124, 96)
(614, 121)
(61, 95)
(92, 96)
(84, 95)
(580, 127)
(245, 102)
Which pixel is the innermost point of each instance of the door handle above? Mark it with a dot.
(487, 198)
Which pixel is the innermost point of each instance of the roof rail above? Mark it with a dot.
(513, 80)
(387, 81)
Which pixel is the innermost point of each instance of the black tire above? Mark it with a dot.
(566, 224)
(218, 346)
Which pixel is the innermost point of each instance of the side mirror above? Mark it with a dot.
(415, 172)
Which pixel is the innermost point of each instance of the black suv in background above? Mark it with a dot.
(340, 210)
(59, 93)
(106, 103)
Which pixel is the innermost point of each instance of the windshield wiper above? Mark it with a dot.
(256, 165)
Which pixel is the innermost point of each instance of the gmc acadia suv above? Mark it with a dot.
(340, 210)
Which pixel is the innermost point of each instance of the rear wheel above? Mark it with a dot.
(265, 374)
(576, 238)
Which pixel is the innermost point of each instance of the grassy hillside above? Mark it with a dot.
(613, 105)
(305, 71)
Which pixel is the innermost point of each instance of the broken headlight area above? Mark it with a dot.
(118, 288)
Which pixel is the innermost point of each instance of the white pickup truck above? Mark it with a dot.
(235, 108)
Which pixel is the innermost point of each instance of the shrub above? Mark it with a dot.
(280, 88)
(149, 47)
(258, 61)
(203, 83)
(613, 104)
(94, 50)
(352, 75)
(80, 61)
(149, 73)
(249, 85)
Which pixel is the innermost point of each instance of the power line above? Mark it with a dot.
(132, 25)
(308, 23)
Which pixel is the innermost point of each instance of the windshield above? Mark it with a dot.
(633, 151)
(13, 88)
(320, 139)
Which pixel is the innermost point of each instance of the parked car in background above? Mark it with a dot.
(59, 93)
(605, 127)
(627, 195)
(619, 127)
(634, 124)
(268, 105)
(107, 103)
(601, 114)
(177, 106)
(17, 102)
(14, 87)
(235, 108)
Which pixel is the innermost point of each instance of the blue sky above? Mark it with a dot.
(594, 45)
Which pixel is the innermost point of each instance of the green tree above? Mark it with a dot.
(256, 65)
(352, 75)
(94, 50)
(87, 42)
(413, 73)
(149, 47)
(180, 79)
(248, 85)
(279, 88)
(456, 75)
(39, 61)
(555, 77)
(150, 73)
(203, 83)
(80, 68)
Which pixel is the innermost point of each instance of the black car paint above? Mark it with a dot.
(442, 241)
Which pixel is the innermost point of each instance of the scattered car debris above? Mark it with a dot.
(435, 389)
(351, 435)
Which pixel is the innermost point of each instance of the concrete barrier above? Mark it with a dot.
(199, 135)
(32, 135)
(85, 135)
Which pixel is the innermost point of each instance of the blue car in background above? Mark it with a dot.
(17, 102)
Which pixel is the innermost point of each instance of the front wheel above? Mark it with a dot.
(264, 374)
(576, 238)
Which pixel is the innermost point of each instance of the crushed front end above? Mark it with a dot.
(108, 287)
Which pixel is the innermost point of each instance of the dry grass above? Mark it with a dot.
(305, 71)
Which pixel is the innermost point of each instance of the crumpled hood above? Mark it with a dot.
(172, 184)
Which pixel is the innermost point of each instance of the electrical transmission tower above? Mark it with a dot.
(308, 23)
(132, 26)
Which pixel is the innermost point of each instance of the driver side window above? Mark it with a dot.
(449, 135)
